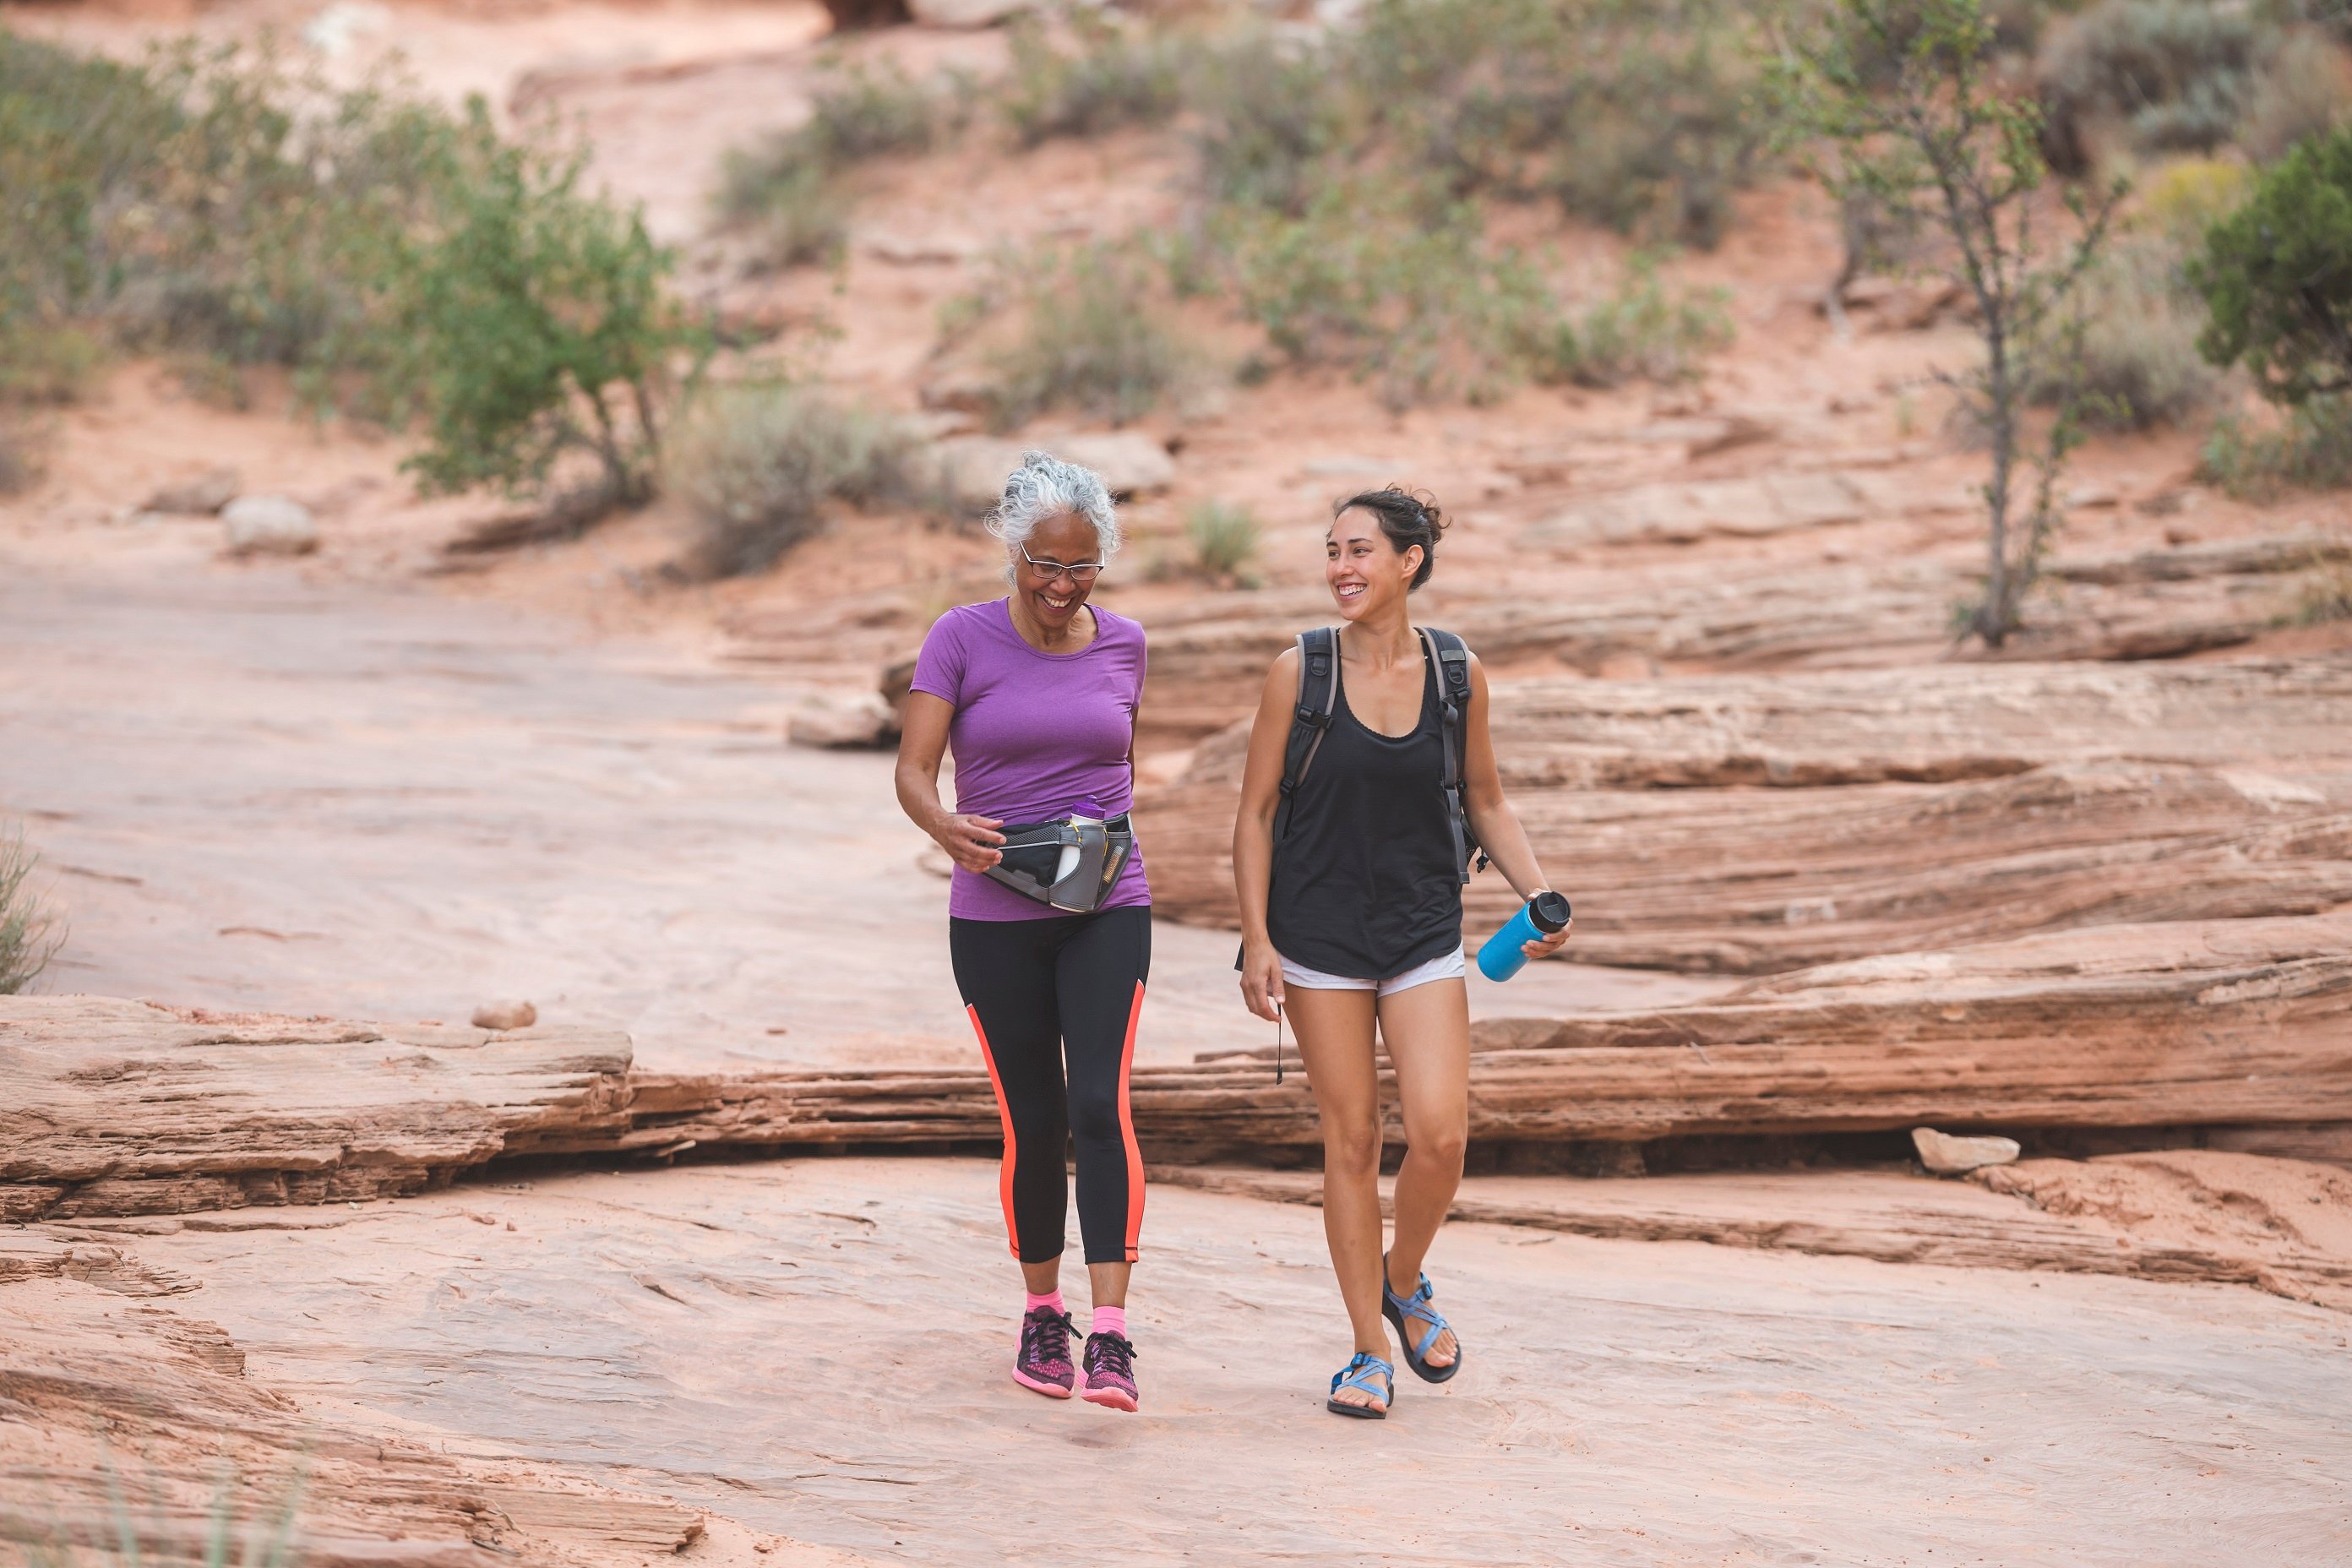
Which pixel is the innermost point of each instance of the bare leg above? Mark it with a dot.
(1106, 1283)
(1428, 1033)
(1335, 1039)
(1043, 1279)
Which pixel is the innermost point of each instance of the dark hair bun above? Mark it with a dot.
(1407, 518)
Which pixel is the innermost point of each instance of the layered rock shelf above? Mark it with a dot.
(1752, 824)
(1208, 664)
(119, 1108)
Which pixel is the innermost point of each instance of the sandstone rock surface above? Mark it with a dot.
(114, 1108)
(203, 496)
(1751, 824)
(1130, 464)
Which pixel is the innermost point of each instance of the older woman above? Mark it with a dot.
(1049, 921)
(1349, 874)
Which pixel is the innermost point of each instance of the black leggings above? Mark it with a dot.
(1041, 992)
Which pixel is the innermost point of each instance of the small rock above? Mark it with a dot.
(1949, 1156)
(201, 496)
(504, 1016)
(918, 249)
(2087, 496)
(269, 525)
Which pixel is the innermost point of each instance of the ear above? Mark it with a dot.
(1412, 557)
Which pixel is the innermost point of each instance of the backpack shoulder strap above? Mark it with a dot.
(1310, 716)
(1451, 655)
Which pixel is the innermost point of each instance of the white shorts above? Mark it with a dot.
(1446, 966)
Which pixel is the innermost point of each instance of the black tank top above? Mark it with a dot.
(1365, 883)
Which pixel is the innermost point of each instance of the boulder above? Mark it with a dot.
(200, 497)
(860, 721)
(269, 525)
(1130, 464)
(967, 13)
(1949, 1156)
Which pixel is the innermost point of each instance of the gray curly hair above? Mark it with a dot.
(1043, 485)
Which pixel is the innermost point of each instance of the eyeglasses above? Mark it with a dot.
(1080, 571)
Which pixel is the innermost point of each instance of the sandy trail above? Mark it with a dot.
(258, 791)
(813, 1348)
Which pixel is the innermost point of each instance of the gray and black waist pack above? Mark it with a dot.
(1071, 863)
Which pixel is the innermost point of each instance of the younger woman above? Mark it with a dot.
(1352, 917)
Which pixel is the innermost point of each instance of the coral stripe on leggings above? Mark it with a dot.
(1055, 1002)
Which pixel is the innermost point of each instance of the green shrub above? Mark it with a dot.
(2276, 275)
(20, 455)
(2170, 74)
(1117, 77)
(873, 112)
(30, 934)
(762, 467)
(1089, 338)
(2310, 447)
(534, 324)
(1224, 541)
(2326, 594)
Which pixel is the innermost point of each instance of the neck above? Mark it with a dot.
(1045, 640)
(1385, 636)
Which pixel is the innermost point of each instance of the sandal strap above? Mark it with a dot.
(1359, 1372)
(1417, 1308)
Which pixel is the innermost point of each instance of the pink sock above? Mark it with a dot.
(1111, 1321)
(1053, 1300)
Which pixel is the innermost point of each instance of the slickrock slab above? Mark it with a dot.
(1749, 825)
(1208, 662)
(2282, 1226)
(104, 1393)
(2242, 1022)
(111, 1107)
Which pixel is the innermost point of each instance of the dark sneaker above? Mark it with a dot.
(1043, 1362)
(1111, 1371)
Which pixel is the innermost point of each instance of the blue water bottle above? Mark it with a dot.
(1500, 955)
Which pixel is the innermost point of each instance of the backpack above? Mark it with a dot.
(1319, 694)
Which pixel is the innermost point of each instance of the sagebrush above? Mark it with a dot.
(762, 468)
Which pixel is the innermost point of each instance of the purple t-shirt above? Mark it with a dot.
(1035, 736)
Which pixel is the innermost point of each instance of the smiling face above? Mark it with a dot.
(1068, 538)
(1365, 571)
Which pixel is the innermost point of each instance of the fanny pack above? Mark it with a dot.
(1071, 862)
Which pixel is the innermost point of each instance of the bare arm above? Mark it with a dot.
(1496, 825)
(971, 841)
(1253, 833)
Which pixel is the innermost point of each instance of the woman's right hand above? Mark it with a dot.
(971, 841)
(1262, 980)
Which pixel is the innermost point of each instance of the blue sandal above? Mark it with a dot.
(1358, 1373)
(1398, 1309)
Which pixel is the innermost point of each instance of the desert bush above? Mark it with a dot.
(1271, 120)
(2170, 74)
(1645, 329)
(762, 467)
(1116, 76)
(1089, 337)
(1225, 540)
(1636, 115)
(2302, 93)
(2309, 447)
(2276, 275)
(795, 207)
(789, 191)
(2325, 593)
(2136, 364)
(29, 933)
